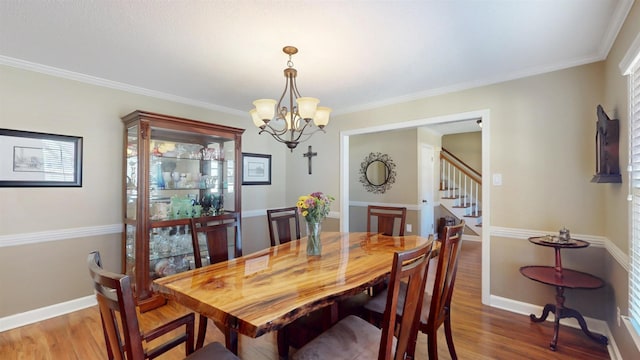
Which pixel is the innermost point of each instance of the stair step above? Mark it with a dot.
(448, 188)
(474, 216)
(464, 206)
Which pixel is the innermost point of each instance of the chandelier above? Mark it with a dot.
(293, 124)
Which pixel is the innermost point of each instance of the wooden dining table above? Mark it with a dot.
(268, 289)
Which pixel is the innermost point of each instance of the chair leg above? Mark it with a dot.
(447, 333)
(411, 348)
(432, 343)
(202, 330)
(283, 343)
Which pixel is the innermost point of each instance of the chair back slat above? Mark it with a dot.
(409, 267)
(281, 223)
(445, 277)
(387, 218)
(217, 230)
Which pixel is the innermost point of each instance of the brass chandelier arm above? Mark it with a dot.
(275, 133)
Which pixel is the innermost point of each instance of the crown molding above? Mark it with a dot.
(93, 80)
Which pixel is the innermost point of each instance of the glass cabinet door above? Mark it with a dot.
(131, 173)
(174, 169)
(130, 181)
(130, 250)
(190, 179)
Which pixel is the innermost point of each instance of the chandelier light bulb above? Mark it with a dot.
(307, 107)
(256, 118)
(322, 116)
(266, 108)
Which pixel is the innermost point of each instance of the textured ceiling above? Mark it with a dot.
(353, 54)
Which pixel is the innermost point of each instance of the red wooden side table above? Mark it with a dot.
(562, 278)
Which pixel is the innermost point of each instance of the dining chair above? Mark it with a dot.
(281, 223)
(436, 307)
(220, 232)
(355, 338)
(120, 325)
(388, 220)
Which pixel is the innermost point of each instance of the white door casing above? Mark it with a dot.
(426, 189)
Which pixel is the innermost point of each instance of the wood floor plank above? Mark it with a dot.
(479, 332)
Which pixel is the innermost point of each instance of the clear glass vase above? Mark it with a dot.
(314, 246)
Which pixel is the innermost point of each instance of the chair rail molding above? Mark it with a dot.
(594, 240)
(58, 234)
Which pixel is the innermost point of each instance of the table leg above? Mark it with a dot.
(545, 312)
(550, 308)
(567, 312)
(558, 315)
(283, 343)
(231, 339)
(562, 312)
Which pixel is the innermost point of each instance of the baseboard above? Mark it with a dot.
(469, 237)
(594, 325)
(47, 312)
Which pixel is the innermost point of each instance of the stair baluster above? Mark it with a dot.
(461, 184)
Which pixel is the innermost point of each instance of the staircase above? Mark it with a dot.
(461, 191)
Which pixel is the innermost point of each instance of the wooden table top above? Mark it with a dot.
(264, 291)
(554, 242)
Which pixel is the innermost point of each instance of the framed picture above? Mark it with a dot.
(31, 159)
(256, 169)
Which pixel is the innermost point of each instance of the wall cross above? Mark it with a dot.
(309, 154)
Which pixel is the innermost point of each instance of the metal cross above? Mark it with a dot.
(309, 154)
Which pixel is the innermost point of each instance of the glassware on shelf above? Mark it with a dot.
(159, 178)
(182, 147)
(165, 267)
(185, 207)
(159, 211)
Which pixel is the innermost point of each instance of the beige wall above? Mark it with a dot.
(466, 147)
(35, 102)
(541, 139)
(401, 146)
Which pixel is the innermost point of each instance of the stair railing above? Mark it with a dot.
(459, 181)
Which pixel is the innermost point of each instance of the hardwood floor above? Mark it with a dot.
(479, 332)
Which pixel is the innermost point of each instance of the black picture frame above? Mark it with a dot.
(32, 159)
(256, 169)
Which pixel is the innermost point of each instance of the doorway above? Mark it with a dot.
(484, 117)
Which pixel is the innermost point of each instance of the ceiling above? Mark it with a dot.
(353, 55)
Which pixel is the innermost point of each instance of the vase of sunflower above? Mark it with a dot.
(314, 208)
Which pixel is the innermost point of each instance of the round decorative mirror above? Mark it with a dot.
(377, 173)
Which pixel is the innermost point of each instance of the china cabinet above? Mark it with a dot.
(174, 169)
